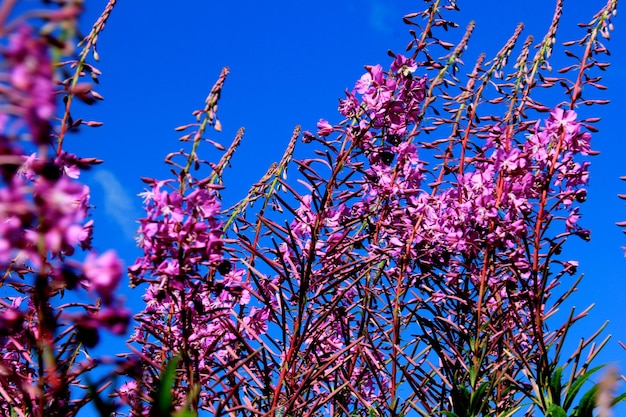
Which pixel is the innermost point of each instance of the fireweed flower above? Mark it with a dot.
(31, 77)
(324, 128)
(433, 238)
(177, 224)
(103, 274)
(383, 106)
(190, 310)
(389, 254)
(43, 219)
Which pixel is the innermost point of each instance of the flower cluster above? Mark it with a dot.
(198, 304)
(44, 212)
(190, 311)
(381, 111)
(44, 209)
(32, 96)
(466, 240)
(179, 235)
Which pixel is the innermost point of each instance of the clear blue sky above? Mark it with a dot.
(290, 61)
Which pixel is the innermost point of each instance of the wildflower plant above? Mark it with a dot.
(410, 266)
(44, 210)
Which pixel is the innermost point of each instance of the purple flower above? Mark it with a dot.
(204, 202)
(64, 206)
(348, 107)
(11, 320)
(560, 118)
(324, 128)
(256, 321)
(32, 81)
(572, 219)
(115, 320)
(103, 274)
(307, 136)
(403, 65)
(364, 83)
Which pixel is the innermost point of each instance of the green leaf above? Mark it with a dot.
(511, 412)
(472, 375)
(555, 411)
(186, 413)
(162, 405)
(476, 400)
(460, 400)
(618, 399)
(587, 403)
(577, 385)
(556, 387)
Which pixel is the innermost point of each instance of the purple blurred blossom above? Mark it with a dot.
(103, 274)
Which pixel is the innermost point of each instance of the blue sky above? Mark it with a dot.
(290, 62)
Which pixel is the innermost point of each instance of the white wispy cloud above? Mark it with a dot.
(118, 203)
(382, 15)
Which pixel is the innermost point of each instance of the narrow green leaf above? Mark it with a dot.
(162, 406)
(577, 385)
(460, 400)
(556, 387)
(587, 403)
(476, 400)
(511, 412)
(618, 399)
(472, 375)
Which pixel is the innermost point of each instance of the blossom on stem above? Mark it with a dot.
(103, 274)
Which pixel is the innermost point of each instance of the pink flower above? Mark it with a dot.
(11, 320)
(204, 202)
(103, 274)
(257, 321)
(324, 127)
(572, 219)
(364, 83)
(403, 65)
(128, 392)
(348, 106)
(561, 118)
(32, 79)
(307, 136)
(115, 320)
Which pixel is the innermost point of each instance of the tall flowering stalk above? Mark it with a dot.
(43, 220)
(187, 313)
